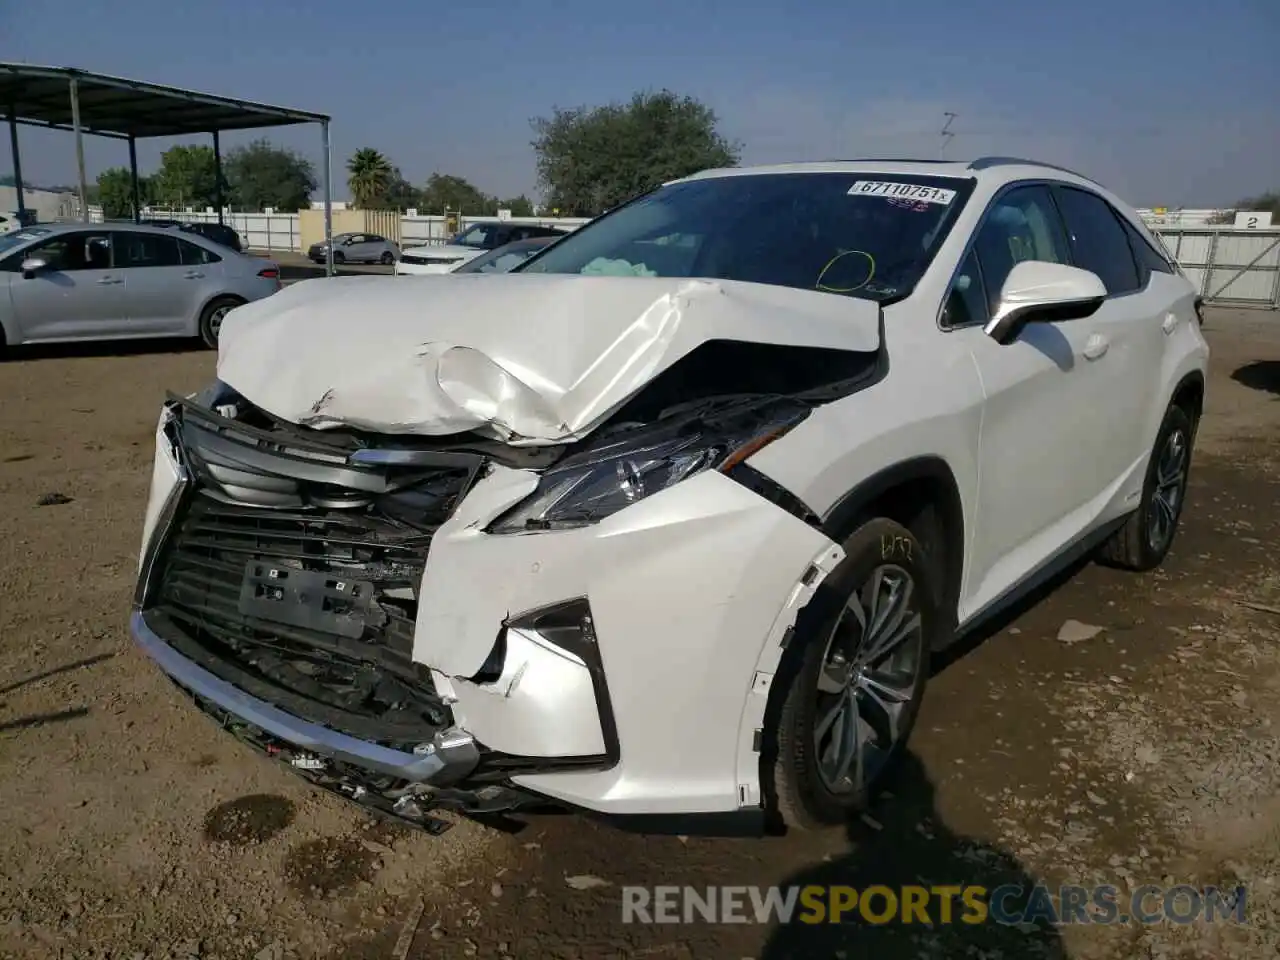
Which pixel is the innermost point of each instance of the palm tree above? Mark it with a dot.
(370, 176)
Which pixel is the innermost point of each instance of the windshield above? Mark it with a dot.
(482, 236)
(858, 234)
(9, 241)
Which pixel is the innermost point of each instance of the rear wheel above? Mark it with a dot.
(860, 660)
(211, 319)
(386, 259)
(1144, 540)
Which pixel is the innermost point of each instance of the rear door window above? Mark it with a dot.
(1098, 242)
(135, 250)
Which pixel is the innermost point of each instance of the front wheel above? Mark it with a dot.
(1144, 540)
(339, 257)
(860, 660)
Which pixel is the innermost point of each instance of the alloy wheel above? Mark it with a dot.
(215, 320)
(1169, 490)
(867, 680)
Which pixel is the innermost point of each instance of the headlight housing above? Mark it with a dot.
(590, 486)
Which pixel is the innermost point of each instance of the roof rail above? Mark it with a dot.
(983, 163)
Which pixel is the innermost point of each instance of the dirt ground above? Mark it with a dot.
(131, 828)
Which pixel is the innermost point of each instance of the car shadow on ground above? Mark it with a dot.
(100, 348)
(1259, 375)
(907, 848)
(901, 847)
(1007, 616)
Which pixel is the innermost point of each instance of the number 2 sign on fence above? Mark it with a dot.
(1253, 219)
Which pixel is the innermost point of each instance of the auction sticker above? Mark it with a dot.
(902, 191)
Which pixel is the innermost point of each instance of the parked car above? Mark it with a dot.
(121, 281)
(671, 519)
(467, 245)
(505, 258)
(356, 248)
(217, 232)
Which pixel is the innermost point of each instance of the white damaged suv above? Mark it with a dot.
(669, 520)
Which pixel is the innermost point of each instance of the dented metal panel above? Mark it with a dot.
(529, 360)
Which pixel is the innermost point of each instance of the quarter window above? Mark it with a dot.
(1149, 261)
(968, 301)
(1098, 242)
(1021, 225)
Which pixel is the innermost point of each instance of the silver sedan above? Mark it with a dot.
(63, 282)
(357, 248)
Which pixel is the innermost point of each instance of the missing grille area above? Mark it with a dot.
(303, 591)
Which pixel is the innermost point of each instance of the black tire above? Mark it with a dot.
(386, 259)
(339, 257)
(1144, 540)
(797, 784)
(211, 319)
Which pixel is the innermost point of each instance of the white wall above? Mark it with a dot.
(45, 204)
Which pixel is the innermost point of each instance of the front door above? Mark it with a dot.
(1045, 412)
(77, 294)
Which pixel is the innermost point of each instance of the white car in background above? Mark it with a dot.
(467, 245)
(670, 519)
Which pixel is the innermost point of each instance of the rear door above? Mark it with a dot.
(161, 292)
(359, 248)
(78, 295)
(1127, 331)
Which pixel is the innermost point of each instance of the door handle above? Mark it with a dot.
(105, 281)
(192, 275)
(1096, 346)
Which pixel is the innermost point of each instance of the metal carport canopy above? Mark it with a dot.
(65, 98)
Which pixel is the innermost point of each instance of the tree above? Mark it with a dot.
(592, 159)
(369, 178)
(520, 206)
(187, 178)
(401, 194)
(446, 192)
(262, 175)
(115, 193)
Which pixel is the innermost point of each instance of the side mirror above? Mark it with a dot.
(33, 265)
(1036, 291)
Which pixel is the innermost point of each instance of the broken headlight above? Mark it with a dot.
(588, 487)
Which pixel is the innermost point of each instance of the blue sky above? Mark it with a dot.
(1168, 102)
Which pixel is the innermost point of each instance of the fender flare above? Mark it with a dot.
(848, 512)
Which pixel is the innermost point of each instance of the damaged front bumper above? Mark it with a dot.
(622, 668)
(448, 757)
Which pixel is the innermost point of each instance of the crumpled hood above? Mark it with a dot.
(526, 358)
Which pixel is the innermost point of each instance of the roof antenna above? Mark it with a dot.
(947, 135)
